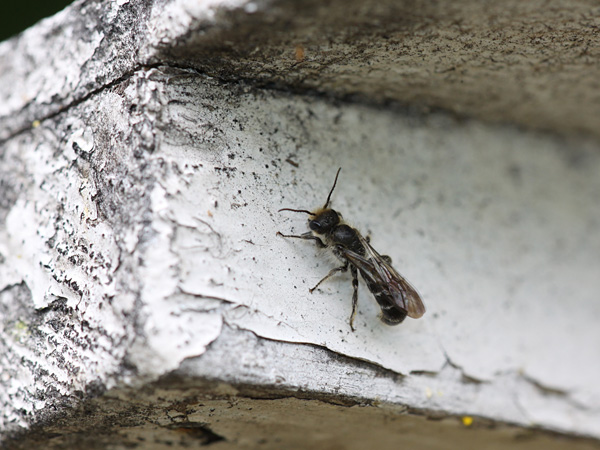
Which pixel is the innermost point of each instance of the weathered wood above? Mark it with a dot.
(141, 278)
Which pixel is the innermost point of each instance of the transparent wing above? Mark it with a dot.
(377, 270)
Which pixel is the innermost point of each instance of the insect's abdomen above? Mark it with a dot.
(391, 314)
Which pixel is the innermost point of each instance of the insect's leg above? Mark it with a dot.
(354, 295)
(331, 273)
(308, 235)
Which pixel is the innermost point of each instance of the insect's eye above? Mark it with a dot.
(314, 225)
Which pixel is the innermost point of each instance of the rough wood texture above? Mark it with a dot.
(532, 63)
(141, 281)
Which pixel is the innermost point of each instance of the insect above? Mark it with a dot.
(396, 297)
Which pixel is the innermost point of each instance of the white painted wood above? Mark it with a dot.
(138, 237)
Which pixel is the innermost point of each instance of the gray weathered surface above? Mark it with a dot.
(138, 238)
(529, 63)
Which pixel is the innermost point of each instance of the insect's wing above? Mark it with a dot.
(409, 296)
(380, 271)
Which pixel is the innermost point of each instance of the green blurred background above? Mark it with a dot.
(16, 16)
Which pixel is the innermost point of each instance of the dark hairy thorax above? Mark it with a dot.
(347, 236)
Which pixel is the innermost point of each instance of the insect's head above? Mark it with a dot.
(324, 219)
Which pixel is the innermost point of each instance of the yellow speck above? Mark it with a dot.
(467, 421)
(210, 214)
(21, 330)
(428, 392)
(20, 325)
(35, 123)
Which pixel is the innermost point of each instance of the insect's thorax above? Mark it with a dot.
(347, 237)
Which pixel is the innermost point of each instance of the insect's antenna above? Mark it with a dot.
(296, 210)
(332, 188)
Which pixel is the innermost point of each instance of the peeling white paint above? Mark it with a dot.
(37, 84)
(83, 138)
(473, 216)
(171, 337)
(54, 244)
(25, 250)
(497, 228)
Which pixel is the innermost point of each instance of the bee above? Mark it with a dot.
(396, 297)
